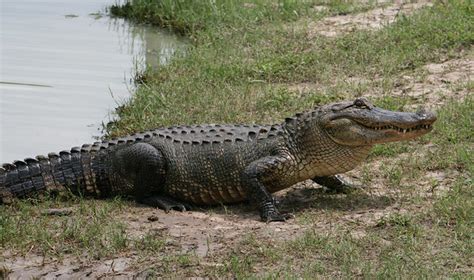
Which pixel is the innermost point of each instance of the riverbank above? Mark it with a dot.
(263, 60)
(251, 70)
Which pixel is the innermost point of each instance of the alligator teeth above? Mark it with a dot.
(402, 130)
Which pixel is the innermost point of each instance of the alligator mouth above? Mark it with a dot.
(416, 128)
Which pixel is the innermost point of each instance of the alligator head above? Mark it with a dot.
(359, 123)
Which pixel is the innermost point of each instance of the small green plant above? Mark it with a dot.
(396, 219)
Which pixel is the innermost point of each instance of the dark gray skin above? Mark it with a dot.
(173, 167)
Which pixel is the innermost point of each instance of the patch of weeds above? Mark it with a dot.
(455, 210)
(239, 266)
(391, 103)
(396, 219)
(453, 136)
(367, 175)
(389, 149)
(251, 250)
(171, 265)
(277, 100)
(394, 173)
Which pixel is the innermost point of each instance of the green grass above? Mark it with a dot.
(244, 67)
(188, 16)
(90, 229)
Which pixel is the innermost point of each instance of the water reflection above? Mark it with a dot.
(63, 70)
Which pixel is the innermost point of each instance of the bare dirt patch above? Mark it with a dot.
(431, 85)
(203, 234)
(438, 82)
(373, 19)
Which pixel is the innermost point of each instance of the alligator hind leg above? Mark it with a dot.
(141, 167)
(336, 184)
(166, 203)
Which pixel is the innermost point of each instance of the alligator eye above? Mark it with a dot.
(360, 103)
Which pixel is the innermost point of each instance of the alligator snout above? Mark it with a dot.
(427, 117)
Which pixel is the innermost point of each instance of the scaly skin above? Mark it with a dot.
(213, 164)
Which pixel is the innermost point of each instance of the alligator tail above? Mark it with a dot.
(85, 171)
(75, 170)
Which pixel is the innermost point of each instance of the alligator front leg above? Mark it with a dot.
(336, 183)
(253, 178)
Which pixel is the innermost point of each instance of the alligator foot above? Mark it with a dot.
(336, 184)
(271, 214)
(166, 203)
(277, 217)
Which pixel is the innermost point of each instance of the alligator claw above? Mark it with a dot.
(336, 184)
(277, 217)
(182, 207)
(166, 203)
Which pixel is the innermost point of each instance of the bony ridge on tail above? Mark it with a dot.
(173, 167)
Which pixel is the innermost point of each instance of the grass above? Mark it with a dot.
(22, 228)
(189, 16)
(247, 63)
(245, 71)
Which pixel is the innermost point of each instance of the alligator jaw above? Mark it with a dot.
(401, 133)
(360, 123)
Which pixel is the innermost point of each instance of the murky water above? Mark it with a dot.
(64, 68)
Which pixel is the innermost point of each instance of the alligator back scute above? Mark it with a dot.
(5, 195)
(46, 173)
(89, 178)
(56, 170)
(35, 174)
(66, 167)
(76, 167)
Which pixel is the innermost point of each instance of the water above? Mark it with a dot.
(64, 68)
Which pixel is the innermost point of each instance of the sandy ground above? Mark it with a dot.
(372, 19)
(430, 86)
(439, 83)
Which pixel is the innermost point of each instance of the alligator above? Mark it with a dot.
(183, 166)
